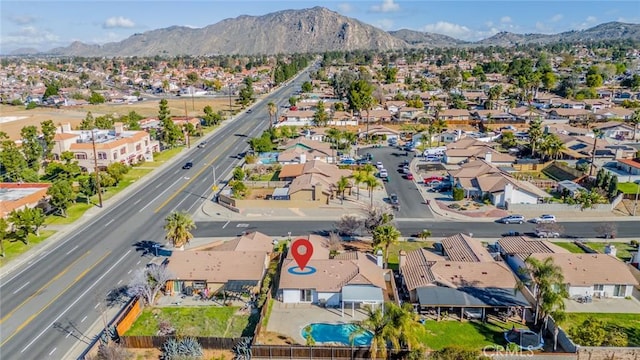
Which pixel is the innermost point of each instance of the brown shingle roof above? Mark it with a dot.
(255, 241)
(460, 247)
(218, 266)
(591, 269)
(526, 245)
(473, 274)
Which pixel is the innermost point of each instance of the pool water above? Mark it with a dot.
(338, 333)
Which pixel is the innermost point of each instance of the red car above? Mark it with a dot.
(409, 176)
(433, 178)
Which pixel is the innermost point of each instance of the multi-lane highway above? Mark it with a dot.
(48, 304)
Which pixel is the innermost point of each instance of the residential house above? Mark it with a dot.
(379, 131)
(111, 146)
(312, 181)
(393, 106)
(17, 196)
(301, 150)
(351, 278)
(461, 247)
(614, 113)
(373, 116)
(434, 282)
(571, 187)
(566, 129)
(454, 114)
(525, 113)
(596, 275)
(482, 179)
(629, 166)
(615, 130)
(492, 116)
(570, 114)
(296, 118)
(467, 149)
(315, 134)
(408, 114)
(516, 249)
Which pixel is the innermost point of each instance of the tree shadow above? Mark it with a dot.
(70, 329)
(149, 248)
(118, 296)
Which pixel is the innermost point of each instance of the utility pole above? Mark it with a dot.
(230, 110)
(635, 204)
(95, 165)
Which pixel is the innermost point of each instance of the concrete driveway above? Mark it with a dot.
(412, 205)
(621, 306)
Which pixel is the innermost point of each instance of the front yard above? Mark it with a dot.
(406, 246)
(471, 335)
(15, 248)
(630, 323)
(206, 321)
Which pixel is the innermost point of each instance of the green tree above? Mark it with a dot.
(31, 146)
(239, 189)
(178, 226)
(508, 140)
(51, 89)
(358, 178)
(88, 123)
(589, 199)
(117, 171)
(273, 110)
(245, 96)
(457, 194)
(383, 237)
(535, 135)
(341, 187)
(211, 118)
(612, 191)
(549, 80)
(307, 87)
(171, 132)
(591, 332)
(238, 174)
(88, 186)
(12, 162)
(360, 97)
(4, 234)
(132, 120)
(320, 117)
(96, 98)
(61, 196)
(261, 144)
(372, 183)
(21, 220)
(48, 129)
(293, 101)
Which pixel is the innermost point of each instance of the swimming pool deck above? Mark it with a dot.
(290, 319)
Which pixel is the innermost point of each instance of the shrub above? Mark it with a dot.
(458, 194)
(188, 347)
(634, 243)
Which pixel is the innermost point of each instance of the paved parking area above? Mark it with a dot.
(290, 319)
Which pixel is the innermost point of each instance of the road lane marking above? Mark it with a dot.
(138, 263)
(72, 249)
(137, 201)
(68, 334)
(21, 287)
(76, 301)
(185, 185)
(225, 224)
(75, 281)
(95, 307)
(109, 223)
(162, 193)
(180, 203)
(64, 271)
(52, 351)
(83, 319)
(129, 272)
(119, 282)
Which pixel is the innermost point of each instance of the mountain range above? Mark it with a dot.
(308, 31)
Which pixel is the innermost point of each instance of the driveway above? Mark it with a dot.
(412, 204)
(611, 305)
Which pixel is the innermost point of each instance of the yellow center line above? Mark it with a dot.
(26, 322)
(206, 167)
(4, 318)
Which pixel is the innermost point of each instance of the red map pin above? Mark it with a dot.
(302, 249)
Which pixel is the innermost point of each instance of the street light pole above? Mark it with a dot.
(95, 165)
(213, 170)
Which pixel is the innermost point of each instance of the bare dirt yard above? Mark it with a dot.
(75, 114)
(155, 354)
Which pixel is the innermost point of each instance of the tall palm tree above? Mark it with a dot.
(368, 169)
(384, 236)
(597, 133)
(358, 178)
(333, 135)
(403, 324)
(379, 327)
(546, 281)
(348, 138)
(372, 183)
(342, 186)
(178, 226)
(589, 199)
(635, 120)
(272, 112)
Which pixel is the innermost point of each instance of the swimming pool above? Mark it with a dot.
(338, 333)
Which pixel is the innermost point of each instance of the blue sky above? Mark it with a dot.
(47, 24)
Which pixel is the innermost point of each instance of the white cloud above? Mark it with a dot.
(118, 22)
(384, 24)
(107, 37)
(489, 23)
(542, 27)
(345, 8)
(505, 19)
(588, 22)
(447, 28)
(28, 36)
(386, 6)
(556, 18)
(591, 19)
(21, 19)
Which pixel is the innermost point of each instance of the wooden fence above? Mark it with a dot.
(129, 315)
(148, 342)
(318, 352)
(272, 289)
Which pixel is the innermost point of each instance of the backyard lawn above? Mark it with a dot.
(406, 246)
(571, 247)
(628, 187)
(207, 321)
(15, 248)
(629, 322)
(468, 334)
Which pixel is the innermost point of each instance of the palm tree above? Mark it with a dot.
(597, 133)
(368, 169)
(358, 177)
(348, 138)
(635, 120)
(535, 134)
(547, 282)
(424, 234)
(380, 329)
(589, 199)
(333, 135)
(178, 226)
(342, 185)
(372, 183)
(438, 126)
(385, 236)
(272, 112)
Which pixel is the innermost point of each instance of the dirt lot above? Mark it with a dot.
(75, 114)
(154, 354)
(259, 194)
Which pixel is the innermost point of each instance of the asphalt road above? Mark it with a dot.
(408, 227)
(412, 204)
(50, 303)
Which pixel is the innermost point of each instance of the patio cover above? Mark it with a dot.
(240, 286)
(367, 294)
(470, 297)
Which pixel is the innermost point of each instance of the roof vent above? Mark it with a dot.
(484, 273)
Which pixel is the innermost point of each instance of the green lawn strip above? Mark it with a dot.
(629, 322)
(624, 250)
(628, 187)
(74, 212)
(208, 321)
(467, 334)
(573, 248)
(15, 248)
(406, 246)
(162, 157)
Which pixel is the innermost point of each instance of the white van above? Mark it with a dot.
(438, 151)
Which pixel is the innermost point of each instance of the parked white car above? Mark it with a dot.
(544, 219)
(547, 234)
(379, 165)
